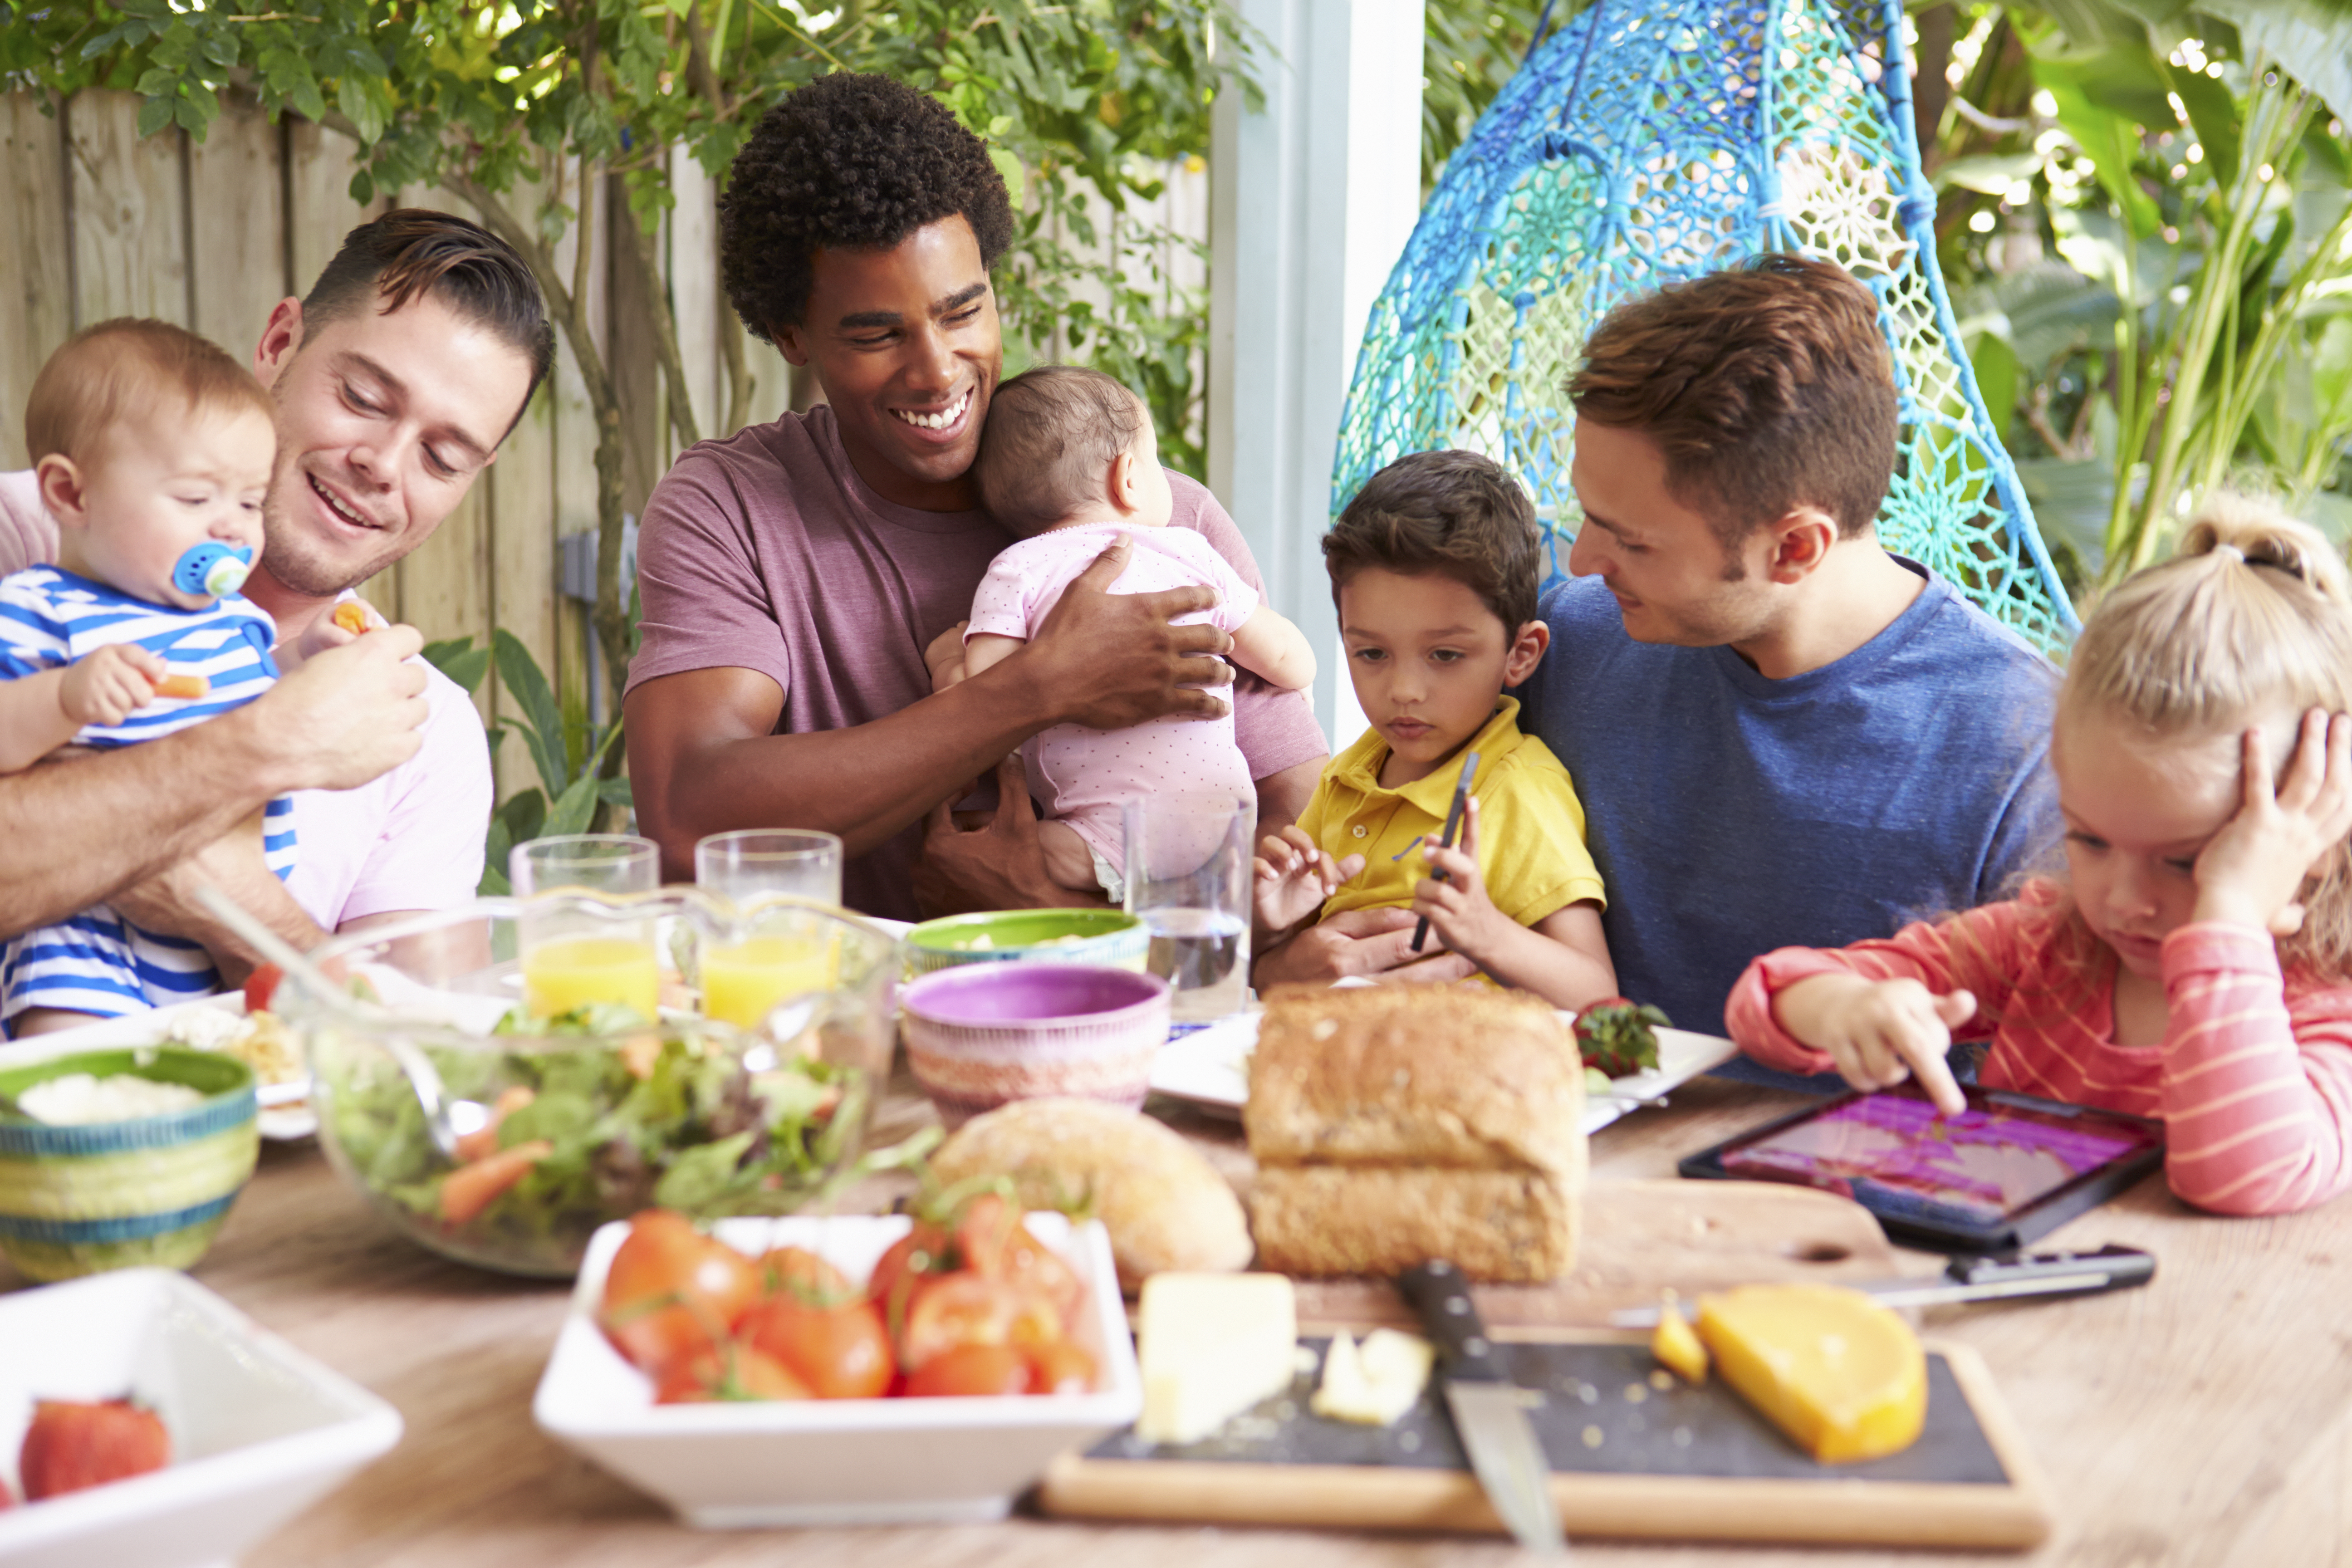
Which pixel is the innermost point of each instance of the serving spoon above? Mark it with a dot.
(424, 1078)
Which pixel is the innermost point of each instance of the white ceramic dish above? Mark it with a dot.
(1210, 1068)
(285, 1114)
(259, 1431)
(833, 1461)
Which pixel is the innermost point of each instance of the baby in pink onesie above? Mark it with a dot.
(1069, 461)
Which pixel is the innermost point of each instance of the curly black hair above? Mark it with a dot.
(849, 161)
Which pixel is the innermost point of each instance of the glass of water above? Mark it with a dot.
(1188, 880)
(761, 862)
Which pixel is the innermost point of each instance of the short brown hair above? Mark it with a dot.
(1456, 514)
(1769, 387)
(104, 372)
(410, 251)
(1051, 436)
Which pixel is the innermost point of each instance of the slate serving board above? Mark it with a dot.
(1634, 1452)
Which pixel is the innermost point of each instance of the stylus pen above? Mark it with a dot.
(1452, 823)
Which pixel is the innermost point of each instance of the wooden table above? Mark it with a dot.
(2205, 1421)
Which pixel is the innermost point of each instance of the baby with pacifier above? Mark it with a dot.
(1069, 461)
(2196, 963)
(153, 449)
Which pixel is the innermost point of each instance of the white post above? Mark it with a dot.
(1311, 201)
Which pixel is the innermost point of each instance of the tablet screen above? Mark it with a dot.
(1893, 1152)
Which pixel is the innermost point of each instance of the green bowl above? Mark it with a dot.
(1105, 938)
(149, 1191)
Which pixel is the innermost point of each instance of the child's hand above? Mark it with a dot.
(1454, 898)
(1880, 1032)
(108, 686)
(344, 623)
(944, 657)
(1294, 879)
(2252, 871)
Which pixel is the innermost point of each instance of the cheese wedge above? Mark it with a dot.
(1841, 1376)
(1673, 1343)
(1375, 1383)
(1212, 1345)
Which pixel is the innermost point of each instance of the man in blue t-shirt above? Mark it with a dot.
(1782, 734)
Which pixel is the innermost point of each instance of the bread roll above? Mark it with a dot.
(1164, 1204)
(1362, 1219)
(1461, 1078)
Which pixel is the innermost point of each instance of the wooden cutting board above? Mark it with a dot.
(1633, 1453)
(1641, 1235)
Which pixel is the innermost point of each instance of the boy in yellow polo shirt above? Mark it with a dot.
(1435, 565)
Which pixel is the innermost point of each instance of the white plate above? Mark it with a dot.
(282, 1122)
(835, 1461)
(1210, 1068)
(259, 1431)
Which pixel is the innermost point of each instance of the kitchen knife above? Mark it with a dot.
(1994, 1277)
(1490, 1412)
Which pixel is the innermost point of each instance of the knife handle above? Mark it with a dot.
(2123, 1267)
(1439, 1297)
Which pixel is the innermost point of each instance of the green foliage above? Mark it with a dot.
(1471, 50)
(2147, 226)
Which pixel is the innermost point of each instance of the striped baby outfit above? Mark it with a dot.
(96, 962)
(2253, 1079)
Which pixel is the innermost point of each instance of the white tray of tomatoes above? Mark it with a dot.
(841, 1369)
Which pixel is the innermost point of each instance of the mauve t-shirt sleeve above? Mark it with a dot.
(1277, 729)
(28, 535)
(706, 606)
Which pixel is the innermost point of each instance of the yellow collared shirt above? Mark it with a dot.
(1531, 851)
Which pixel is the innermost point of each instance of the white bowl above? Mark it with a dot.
(259, 1431)
(835, 1461)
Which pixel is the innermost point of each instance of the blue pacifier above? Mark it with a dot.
(213, 570)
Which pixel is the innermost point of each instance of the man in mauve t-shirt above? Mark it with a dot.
(795, 575)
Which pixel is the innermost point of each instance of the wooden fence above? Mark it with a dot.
(212, 235)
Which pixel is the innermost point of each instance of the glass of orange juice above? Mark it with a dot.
(773, 955)
(585, 947)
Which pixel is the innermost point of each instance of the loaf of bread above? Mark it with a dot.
(1165, 1206)
(1396, 1124)
(1465, 1079)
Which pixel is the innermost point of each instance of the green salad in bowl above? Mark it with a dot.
(504, 1138)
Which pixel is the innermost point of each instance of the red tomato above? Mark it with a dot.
(983, 1229)
(840, 1351)
(731, 1373)
(967, 1310)
(797, 1271)
(673, 1293)
(1033, 1265)
(1060, 1367)
(912, 1258)
(970, 1370)
(68, 1446)
(261, 985)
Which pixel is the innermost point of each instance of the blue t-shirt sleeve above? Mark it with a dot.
(32, 638)
(2025, 837)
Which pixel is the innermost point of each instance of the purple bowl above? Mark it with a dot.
(986, 1035)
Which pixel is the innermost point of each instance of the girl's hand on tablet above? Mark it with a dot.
(1878, 1033)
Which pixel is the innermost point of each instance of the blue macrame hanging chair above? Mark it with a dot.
(1651, 141)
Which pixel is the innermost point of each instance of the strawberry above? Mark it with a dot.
(69, 1447)
(1619, 1036)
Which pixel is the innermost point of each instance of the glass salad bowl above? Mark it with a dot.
(503, 1078)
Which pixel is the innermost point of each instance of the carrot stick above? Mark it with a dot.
(470, 1189)
(352, 615)
(183, 686)
(483, 1141)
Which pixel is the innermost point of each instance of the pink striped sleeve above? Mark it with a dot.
(1981, 951)
(2257, 1104)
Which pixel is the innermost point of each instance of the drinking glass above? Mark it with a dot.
(777, 951)
(1188, 880)
(767, 862)
(591, 948)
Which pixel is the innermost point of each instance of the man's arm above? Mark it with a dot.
(76, 833)
(704, 760)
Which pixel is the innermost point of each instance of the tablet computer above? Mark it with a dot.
(2008, 1169)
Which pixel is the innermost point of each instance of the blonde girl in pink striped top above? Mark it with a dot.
(2196, 965)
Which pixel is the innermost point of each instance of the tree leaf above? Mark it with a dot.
(2312, 38)
(543, 720)
(460, 660)
(573, 809)
(155, 114)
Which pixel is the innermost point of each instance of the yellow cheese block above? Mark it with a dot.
(1675, 1346)
(1838, 1373)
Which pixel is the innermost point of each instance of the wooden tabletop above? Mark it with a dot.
(2204, 1420)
